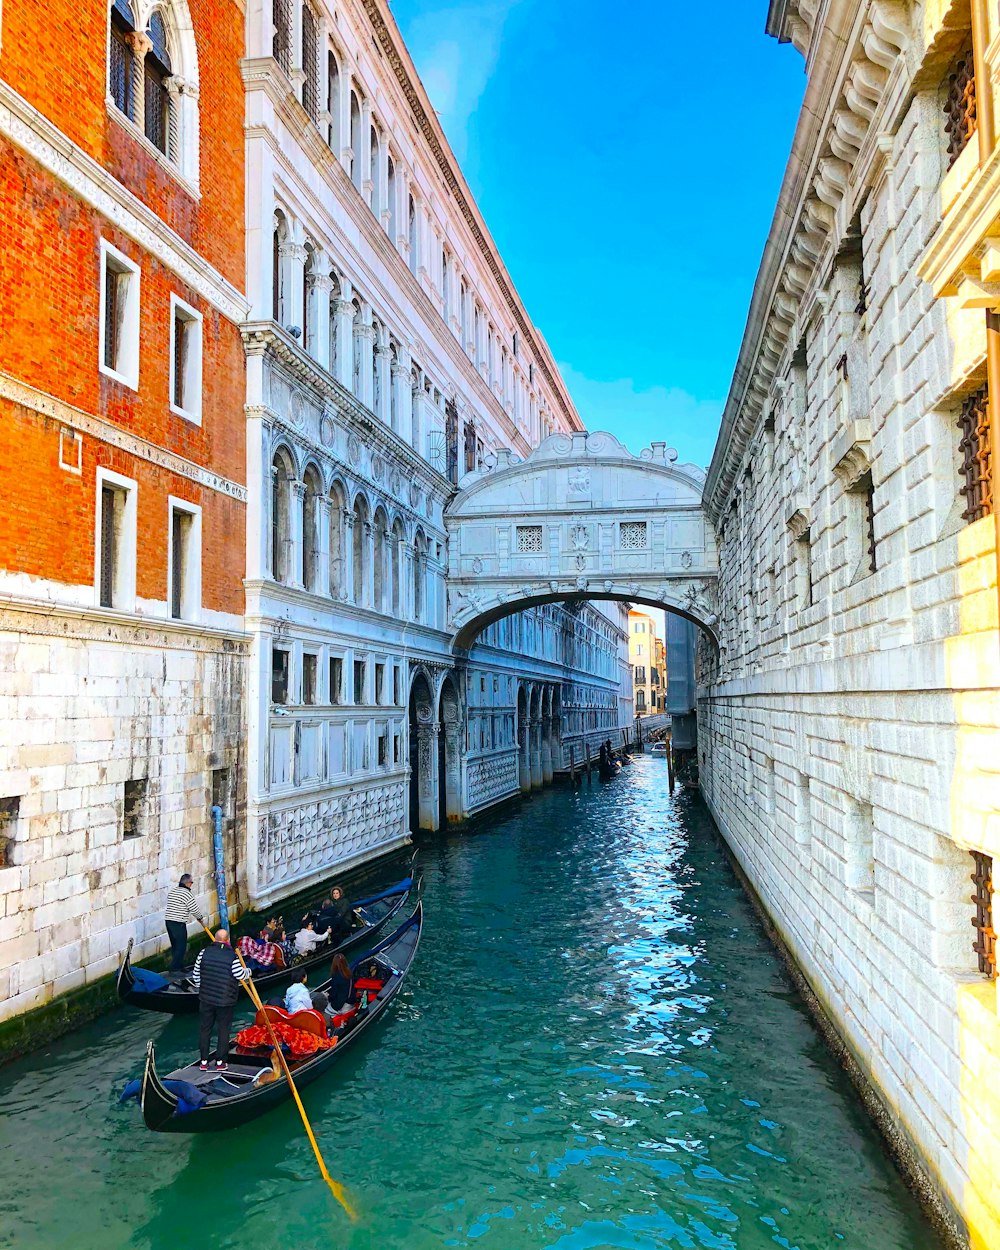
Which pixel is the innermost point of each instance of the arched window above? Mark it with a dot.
(310, 529)
(396, 565)
(310, 62)
(412, 230)
(419, 572)
(281, 48)
(278, 267)
(337, 553)
(463, 315)
(445, 285)
(156, 70)
(381, 570)
(392, 192)
(355, 141)
(333, 100)
(476, 335)
(362, 574)
(282, 476)
(374, 152)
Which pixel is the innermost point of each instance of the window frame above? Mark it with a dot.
(111, 256)
(191, 589)
(123, 592)
(194, 372)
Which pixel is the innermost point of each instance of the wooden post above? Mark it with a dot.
(572, 766)
(670, 765)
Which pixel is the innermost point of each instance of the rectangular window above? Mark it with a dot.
(529, 538)
(134, 808)
(974, 445)
(121, 67)
(982, 899)
(804, 570)
(184, 562)
(9, 811)
(185, 360)
(114, 554)
(279, 675)
(397, 686)
(119, 316)
(310, 665)
(640, 675)
(156, 116)
(632, 535)
(379, 683)
(336, 679)
(396, 749)
(359, 681)
(960, 105)
(383, 754)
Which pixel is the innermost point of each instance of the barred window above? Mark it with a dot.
(632, 535)
(529, 538)
(156, 71)
(960, 106)
(982, 899)
(121, 65)
(974, 444)
(282, 45)
(310, 62)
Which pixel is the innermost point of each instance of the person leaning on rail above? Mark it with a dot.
(180, 909)
(217, 975)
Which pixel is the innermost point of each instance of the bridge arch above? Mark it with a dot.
(580, 518)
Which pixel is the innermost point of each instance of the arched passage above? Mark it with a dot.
(422, 755)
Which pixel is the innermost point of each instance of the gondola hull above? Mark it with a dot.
(160, 1106)
(181, 998)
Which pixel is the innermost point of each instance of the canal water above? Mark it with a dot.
(596, 1048)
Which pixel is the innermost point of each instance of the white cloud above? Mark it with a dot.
(639, 416)
(456, 50)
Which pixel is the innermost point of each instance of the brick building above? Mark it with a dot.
(122, 472)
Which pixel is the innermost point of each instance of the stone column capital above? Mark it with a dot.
(139, 42)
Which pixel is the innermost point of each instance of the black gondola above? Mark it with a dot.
(179, 996)
(233, 1099)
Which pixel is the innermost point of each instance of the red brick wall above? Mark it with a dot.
(55, 55)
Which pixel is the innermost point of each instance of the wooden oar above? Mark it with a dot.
(336, 1188)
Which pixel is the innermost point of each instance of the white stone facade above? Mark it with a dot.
(389, 361)
(849, 724)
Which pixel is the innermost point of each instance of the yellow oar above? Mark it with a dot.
(336, 1188)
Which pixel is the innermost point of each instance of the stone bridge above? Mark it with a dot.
(580, 518)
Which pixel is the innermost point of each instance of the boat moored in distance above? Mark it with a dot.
(237, 1095)
(178, 995)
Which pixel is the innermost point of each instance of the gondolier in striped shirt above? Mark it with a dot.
(181, 908)
(217, 975)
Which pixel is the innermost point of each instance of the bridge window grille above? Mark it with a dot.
(974, 444)
(632, 535)
(982, 900)
(960, 106)
(529, 538)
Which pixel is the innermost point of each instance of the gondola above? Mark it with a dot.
(232, 1098)
(179, 996)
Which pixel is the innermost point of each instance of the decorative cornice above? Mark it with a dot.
(29, 130)
(851, 453)
(434, 137)
(48, 406)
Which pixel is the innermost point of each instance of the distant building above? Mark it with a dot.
(647, 656)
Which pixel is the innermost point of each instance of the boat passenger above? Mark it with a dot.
(336, 913)
(217, 975)
(258, 955)
(307, 939)
(341, 982)
(180, 909)
(297, 995)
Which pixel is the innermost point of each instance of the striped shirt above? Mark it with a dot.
(239, 971)
(181, 906)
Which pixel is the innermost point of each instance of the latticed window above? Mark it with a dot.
(974, 444)
(960, 106)
(529, 538)
(121, 64)
(156, 71)
(982, 900)
(310, 62)
(282, 46)
(632, 535)
(470, 447)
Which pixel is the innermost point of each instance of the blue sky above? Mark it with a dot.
(631, 219)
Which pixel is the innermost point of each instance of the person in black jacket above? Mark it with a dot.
(217, 975)
(336, 913)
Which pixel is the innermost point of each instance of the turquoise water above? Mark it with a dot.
(596, 1048)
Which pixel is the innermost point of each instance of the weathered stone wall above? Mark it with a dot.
(849, 726)
(88, 707)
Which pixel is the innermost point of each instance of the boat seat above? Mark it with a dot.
(307, 1020)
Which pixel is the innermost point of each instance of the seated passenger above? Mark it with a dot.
(320, 1002)
(367, 986)
(297, 995)
(307, 939)
(336, 913)
(341, 983)
(259, 956)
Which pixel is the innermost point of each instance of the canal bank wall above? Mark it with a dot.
(905, 1150)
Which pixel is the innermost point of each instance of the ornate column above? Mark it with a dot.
(406, 589)
(364, 336)
(383, 363)
(347, 577)
(318, 294)
(258, 435)
(367, 182)
(324, 506)
(453, 753)
(140, 44)
(295, 536)
(368, 562)
(427, 775)
(344, 316)
(293, 257)
(536, 754)
(523, 751)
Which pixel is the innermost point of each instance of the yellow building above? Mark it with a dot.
(647, 656)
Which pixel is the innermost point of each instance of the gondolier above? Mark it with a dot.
(217, 975)
(180, 909)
